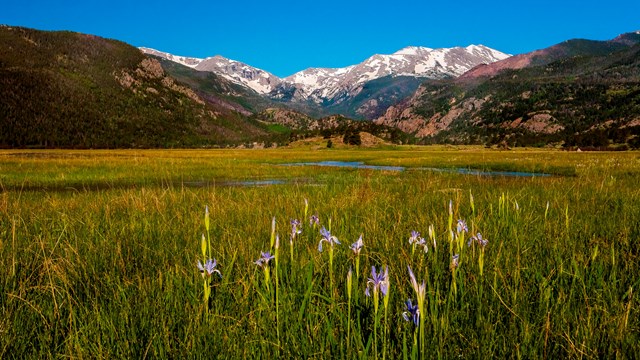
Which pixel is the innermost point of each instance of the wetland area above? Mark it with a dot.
(525, 253)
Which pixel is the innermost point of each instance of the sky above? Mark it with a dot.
(284, 37)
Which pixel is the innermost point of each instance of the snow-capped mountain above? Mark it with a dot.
(259, 80)
(186, 61)
(322, 85)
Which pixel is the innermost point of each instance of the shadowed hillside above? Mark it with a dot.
(64, 89)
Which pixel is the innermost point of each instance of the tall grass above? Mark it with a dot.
(98, 255)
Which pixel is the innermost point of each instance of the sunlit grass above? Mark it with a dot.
(98, 255)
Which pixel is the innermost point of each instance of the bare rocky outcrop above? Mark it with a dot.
(404, 117)
(169, 83)
(150, 69)
(285, 117)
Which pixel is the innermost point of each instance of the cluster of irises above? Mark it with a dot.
(377, 285)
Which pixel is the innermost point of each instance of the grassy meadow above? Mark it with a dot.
(99, 254)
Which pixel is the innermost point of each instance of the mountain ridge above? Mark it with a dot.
(578, 92)
(334, 85)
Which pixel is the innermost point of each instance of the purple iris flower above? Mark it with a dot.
(422, 242)
(462, 226)
(478, 238)
(412, 313)
(414, 238)
(326, 236)
(209, 267)
(455, 261)
(357, 246)
(378, 281)
(420, 289)
(295, 228)
(314, 220)
(264, 259)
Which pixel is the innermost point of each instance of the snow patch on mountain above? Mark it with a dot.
(259, 80)
(183, 60)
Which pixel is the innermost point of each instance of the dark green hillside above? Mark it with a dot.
(64, 89)
(576, 47)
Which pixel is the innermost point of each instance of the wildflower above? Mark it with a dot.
(379, 282)
(263, 261)
(414, 237)
(209, 267)
(455, 262)
(314, 220)
(478, 238)
(326, 236)
(422, 242)
(412, 313)
(295, 228)
(357, 246)
(416, 240)
(481, 241)
(462, 226)
(421, 290)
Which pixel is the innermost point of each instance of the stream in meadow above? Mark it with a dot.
(463, 171)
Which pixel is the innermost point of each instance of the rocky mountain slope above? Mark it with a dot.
(579, 92)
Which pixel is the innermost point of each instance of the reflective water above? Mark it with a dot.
(102, 186)
(485, 173)
(463, 171)
(348, 164)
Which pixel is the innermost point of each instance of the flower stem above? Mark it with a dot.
(275, 276)
(331, 269)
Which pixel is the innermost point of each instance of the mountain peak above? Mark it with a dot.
(183, 60)
(412, 50)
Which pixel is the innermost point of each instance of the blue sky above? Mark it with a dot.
(284, 37)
